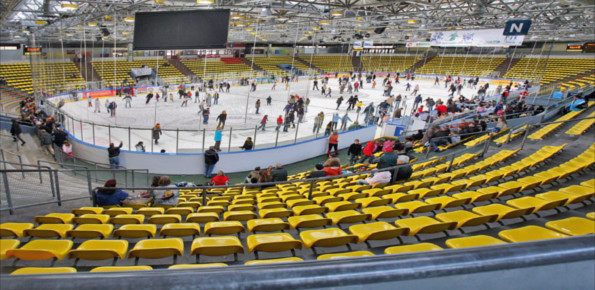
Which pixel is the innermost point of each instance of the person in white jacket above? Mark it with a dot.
(377, 178)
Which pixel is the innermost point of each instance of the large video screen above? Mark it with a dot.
(195, 29)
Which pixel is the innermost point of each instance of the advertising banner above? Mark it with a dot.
(479, 38)
(357, 45)
(418, 44)
(368, 44)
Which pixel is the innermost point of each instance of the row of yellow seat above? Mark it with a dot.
(547, 129)
(552, 69)
(461, 65)
(389, 63)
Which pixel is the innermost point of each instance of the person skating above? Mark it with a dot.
(156, 133)
(149, 97)
(339, 101)
(269, 100)
(112, 108)
(257, 106)
(205, 116)
(279, 122)
(218, 137)
(344, 121)
(97, 106)
(263, 122)
(335, 121)
(221, 118)
(248, 144)
(315, 86)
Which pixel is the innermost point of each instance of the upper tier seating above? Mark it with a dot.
(553, 69)
(216, 69)
(330, 63)
(461, 66)
(105, 69)
(50, 75)
(389, 63)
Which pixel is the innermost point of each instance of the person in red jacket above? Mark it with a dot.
(368, 151)
(279, 122)
(333, 142)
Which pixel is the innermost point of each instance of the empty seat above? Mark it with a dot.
(43, 270)
(266, 225)
(42, 250)
(573, 226)
(591, 215)
(162, 219)
(217, 246)
(347, 217)
(157, 248)
(196, 266)
(424, 225)
(180, 230)
(54, 218)
(49, 231)
(202, 217)
(150, 211)
(332, 237)
(115, 211)
(272, 243)
(179, 210)
(224, 228)
(87, 210)
(309, 209)
(376, 231)
(537, 204)
(465, 218)
(274, 261)
(238, 215)
(416, 206)
(14, 229)
(502, 211)
(91, 231)
(383, 212)
(121, 268)
(308, 221)
(473, 241)
(211, 208)
(447, 201)
(6, 245)
(372, 201)
(100, 250)
(125, 219)
(274, 212)
(529, 233)
(421, 247)
(345, 255)
(91, 219)
(136, 231)
(558, 195)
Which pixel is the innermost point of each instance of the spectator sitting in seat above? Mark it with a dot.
(279, 173)
(107, 197)
(165, 196)
(253, 174)
(319, 172)
(220, 179)
(377, 178)
(332, 166)
(404, 172)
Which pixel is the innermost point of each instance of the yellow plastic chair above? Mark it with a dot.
(202, 217)
(38, 250)
(87, 210)
(537, 204)
(6, 245)
(224, 228)
(100, 250)
(91, 219)
(157, 249)
(179, 210)
(347, 217)
(331, 237)
(372, 201)
(49, 231)
(136, 231)
(591, 215)
(347, 255)
(529, 233)
(196, 266)
(217, 246)
(502, 211)
(121, 268)
(14, 229)
(473, 241)
(115, 211)
(447, 201)
(238, 215)
(274, 261)
(421, 247)
(54, 218)
(309, 209)
(150, 211)
(377, 231)
(383, 212)
(308, 221)
(272, 243)
(464, 218)
(266, 225)
(416, 206)
(424, 225)
(91, 231)
(341, 206)
(43, 270)
(126, 219)
(213, 209)
(573, 226)
(275, 212)
(476, 196)
(162, 219)
(180, 230)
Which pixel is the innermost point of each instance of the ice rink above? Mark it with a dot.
(171, 116)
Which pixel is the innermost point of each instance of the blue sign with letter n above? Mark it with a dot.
(517, 27)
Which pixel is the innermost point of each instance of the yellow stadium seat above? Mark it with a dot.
(274, 212)
(136, 231)
(91, 219)
(372, 201)
(238, 215)
(14, 229)
(6, 245)
(591, 215)
(266, 225)
(224, 228)
(274, 261)
(588, 183)
(162, 219)
(213, 209)
(447, 201)
(579, 190)
(179, 210)
(218, 246)
(308, 221)
(473, 241)
(424, 225)
(43, 270)
(180, 230)
(100, 250)
(529, 233)
(87, 210)
(476, 196)
(347, 217)
(345, 255)
(121, 268)
(196, 266)
(421, 247)
(309, 209)
(37, 250)
(331, 237)
(125, 219)
(416, 206)
(54, 218)
(464, 218)
(376, 231)
(49, 231)
(502, 211)
(537, 204)
(115, 211)
(157, 248)
(203, 217)
(150, 211)
(91, 231)
(573, 226)
(272, 243)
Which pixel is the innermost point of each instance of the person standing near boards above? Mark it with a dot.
(333, 142)
(114, 155)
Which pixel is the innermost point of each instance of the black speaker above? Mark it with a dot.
(104, 31)
(367, 35)
(358, 36)
(379, 30)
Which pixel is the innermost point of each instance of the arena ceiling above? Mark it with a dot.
(304, 21)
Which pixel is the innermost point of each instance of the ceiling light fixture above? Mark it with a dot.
(325, 22)
(205, 2)
(240, 24)
(92, 24)
(41, 22)
(129, 19)
(336, 13)
(411, 21)
(236, 16)
(266, 12)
